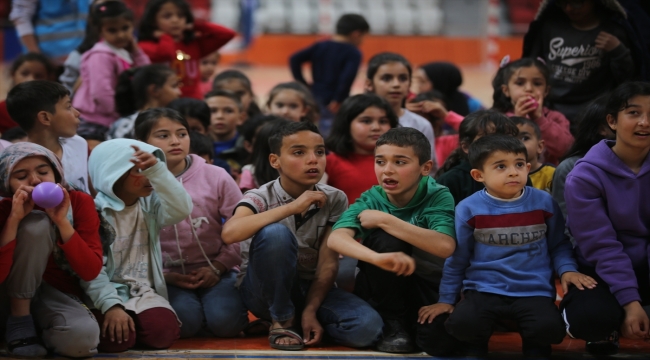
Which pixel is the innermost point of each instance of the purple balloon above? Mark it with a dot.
(47, 195)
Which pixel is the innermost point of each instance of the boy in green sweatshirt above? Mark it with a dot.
(407, 219)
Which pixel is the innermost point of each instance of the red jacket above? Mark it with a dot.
(185, 58)
(83, 251)
(6, 122)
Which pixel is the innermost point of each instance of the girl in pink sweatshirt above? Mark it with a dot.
(520, 88)
(200, 270)
(101, 66)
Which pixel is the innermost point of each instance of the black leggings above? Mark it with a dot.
(593, 314)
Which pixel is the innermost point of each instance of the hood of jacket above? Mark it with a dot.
(12, 155)
(602, 157)
(548, 7)
(108, 162)
(427, 188)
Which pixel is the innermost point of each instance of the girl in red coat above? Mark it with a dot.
(168, 34)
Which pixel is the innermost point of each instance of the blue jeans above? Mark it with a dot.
(218, 309)
(271, 290)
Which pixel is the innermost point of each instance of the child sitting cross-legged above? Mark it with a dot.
(287, 274)
(510, 241)
(405, 220)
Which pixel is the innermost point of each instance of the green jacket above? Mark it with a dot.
(432, 207)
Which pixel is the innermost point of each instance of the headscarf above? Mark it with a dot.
(446, 78)
(12, 155)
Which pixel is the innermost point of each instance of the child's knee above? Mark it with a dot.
(77, 339)
(383, 242)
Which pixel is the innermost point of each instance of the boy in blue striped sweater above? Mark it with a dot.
(510, 240)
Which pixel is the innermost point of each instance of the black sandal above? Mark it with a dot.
(289, 332)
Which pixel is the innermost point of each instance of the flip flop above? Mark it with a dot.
(257, 327)
(290, 332)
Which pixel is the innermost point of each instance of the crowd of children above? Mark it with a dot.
(388, 219)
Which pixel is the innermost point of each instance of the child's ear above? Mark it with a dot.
(43, 117)
(274, 159)
(152, 91)
(368, 86)
(465, 147)
(506, 91)
(611, 121)
(540, 147)
(528, 166)
(425, 169)
(477, 174)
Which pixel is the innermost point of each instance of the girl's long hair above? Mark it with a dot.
(131, 92)
(340, 139)
(591, 124)
(503, 103)
(261, 151)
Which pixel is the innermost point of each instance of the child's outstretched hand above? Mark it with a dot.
(606, 41)
(22, 203)
(580, 281)
(59, 213)
(142, 159)
(528, 107)
(430, 312)
(396, 262)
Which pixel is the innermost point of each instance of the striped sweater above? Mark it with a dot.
(507, 247)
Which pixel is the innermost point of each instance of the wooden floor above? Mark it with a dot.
(502, 346)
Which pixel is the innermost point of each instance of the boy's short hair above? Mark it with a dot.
(481, 149)
(14, 133)
(408, 137)
(275, 140)
(27, 99)
(349, 23)
(201, 144)
(227, 94)
(519, 120)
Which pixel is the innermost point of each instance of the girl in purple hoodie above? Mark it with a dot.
(608, 213)
(102, 64)
(200, 269)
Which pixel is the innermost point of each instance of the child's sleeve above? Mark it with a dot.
(596, 237)
(555, 132)
(7, 251)
(229, 254)
(140, 58)
(171, 203)
(163, 50)
(102, 72)
(101, 291)
(347, 76)
(295, 63)
(212, 37)
(439, 214)
(621, 63)
(84, 249)
(452, 119)
(350, 219)
(453, 273)
(559, 246)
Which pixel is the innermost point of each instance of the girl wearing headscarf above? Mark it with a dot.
(446, 78)
(43, 255)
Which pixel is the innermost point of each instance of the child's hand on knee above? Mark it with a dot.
(117, 324)
(430, 312)
(142, 159)
(577, 279)
(22, 203)
(396, 262)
